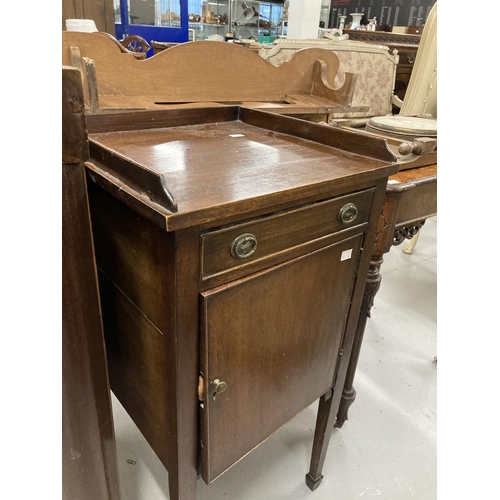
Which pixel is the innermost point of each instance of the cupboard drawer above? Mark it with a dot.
(257, 240)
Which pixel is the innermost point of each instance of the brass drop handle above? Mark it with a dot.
(348, 213)
(218, 387)
(243, 246)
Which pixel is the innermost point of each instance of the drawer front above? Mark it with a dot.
(257, 240)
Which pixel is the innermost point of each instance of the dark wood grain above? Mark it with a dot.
(264, 170)
(149, 284)
(75, 147)
(341, 138)
(271, 377)
(280, 232)
(345, 140)
(144, 120)
(89, 462)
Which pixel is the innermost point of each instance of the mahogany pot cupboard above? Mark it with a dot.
(230, 246)
(298, 88)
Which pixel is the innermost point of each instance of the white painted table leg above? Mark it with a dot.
(408, 249)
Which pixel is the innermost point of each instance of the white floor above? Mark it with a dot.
(387, 448)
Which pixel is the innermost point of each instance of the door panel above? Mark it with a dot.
(273, 338)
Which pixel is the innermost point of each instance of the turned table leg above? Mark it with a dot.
(371, 288)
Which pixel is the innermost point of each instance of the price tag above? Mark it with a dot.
(346, 254)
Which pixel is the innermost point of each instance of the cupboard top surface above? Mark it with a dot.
(228, 167)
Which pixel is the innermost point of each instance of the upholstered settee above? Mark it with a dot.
(374, 65)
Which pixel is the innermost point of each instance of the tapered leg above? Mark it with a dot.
(182, 486)
(183, 473)
(322, 435)
(371, 288)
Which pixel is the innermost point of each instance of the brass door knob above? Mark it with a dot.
(218, 387)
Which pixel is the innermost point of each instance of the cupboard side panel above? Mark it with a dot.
(138, 374)
(135, 254)
(136, 262)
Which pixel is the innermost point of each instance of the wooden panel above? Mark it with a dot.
(274, 339)
(132, 253)
(279, 232)
(182, 73)
(405, 44)
(135, 260)
(203, 71)
(414, 30)
(137, 352)
(414, 174)
(149, 289)
(415, 191)
(75, 146)
(419, 203)
(89, 462)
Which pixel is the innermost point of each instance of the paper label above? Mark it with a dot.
(346, 254)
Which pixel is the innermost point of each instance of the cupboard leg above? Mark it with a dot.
(181, 487)
(183, 471)
(371, 288)
(322, 435)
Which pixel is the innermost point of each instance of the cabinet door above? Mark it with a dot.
(272, 341)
